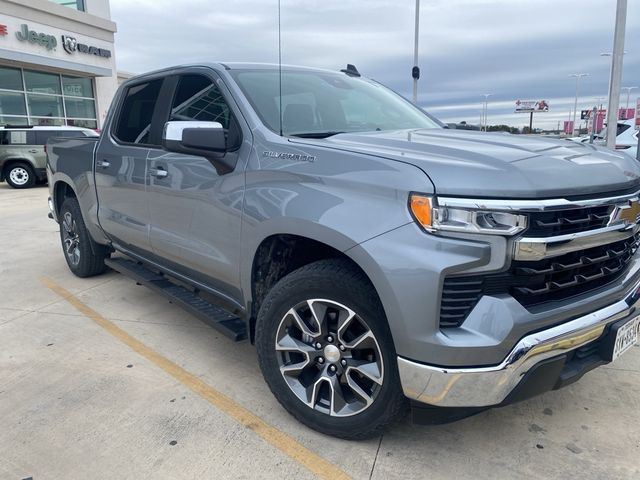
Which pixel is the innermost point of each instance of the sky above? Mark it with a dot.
(512, 49)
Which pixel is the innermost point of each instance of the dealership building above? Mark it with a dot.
(57, 62)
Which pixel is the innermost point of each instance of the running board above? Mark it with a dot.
(213, 315)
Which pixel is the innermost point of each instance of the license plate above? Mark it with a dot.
(626, 338)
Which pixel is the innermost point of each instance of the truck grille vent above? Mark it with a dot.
(459, 296)
(562, 222)
(537, 283)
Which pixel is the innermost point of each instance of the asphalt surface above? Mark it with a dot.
(103, 379)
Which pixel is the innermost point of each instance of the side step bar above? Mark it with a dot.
(213, 315)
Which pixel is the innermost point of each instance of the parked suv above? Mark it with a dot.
(22, 152)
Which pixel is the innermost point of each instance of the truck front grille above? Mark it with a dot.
(540, 282)
(562, 222)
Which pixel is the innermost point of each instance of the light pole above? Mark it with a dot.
(577, 76)
(628, 89)
(616, 72)
(485, 108)
(610, 54)
(415, 71)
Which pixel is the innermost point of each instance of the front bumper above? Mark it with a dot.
(493, 385)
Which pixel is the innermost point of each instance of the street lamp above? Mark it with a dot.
(610, 54)
(577, 76)
(628, 89)
(485, 108)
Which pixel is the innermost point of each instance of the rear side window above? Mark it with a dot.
(17, 137)
(134, 122)
(43, 135)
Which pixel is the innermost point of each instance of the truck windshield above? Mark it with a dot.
(320, 104)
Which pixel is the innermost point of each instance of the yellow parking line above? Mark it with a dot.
(316, 464)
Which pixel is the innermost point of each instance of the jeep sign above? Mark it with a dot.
(31, 36)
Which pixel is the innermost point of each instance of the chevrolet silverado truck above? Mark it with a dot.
(377, 260)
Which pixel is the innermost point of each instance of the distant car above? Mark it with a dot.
(22, 151)
(626, 139)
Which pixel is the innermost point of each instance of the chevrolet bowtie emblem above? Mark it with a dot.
(629, 215)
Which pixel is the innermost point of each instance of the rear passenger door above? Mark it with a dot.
(195, 210)
(121, 166)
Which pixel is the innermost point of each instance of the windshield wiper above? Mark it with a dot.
(315, 134)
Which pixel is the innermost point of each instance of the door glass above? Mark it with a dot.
(134, 124)
(10, 78)
(197, 98)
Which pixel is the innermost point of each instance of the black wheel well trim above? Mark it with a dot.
(277, 256)
(62, 190)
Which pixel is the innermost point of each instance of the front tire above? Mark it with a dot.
(84, 257)
(20, 175)
(326, 352)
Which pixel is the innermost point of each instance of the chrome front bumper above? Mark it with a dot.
(488, 386)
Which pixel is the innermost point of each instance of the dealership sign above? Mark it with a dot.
(530, 106)
(31, 36)
(70, 44)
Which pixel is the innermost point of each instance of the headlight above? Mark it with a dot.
(432, 217)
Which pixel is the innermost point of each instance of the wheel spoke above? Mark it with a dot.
(371, 370)
(304, 328)
(338, 401)
(318, 312)
(353, 385)
(290, 344)
(294, 368)
(346, 316)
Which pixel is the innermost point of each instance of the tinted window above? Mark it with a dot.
(10, 78)
(197, 98)
(43, 136)
(136, 113)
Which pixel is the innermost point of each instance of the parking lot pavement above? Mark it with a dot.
(79, 400)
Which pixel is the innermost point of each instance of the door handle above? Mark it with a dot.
(33, 151)
(158, 172)
(102, 164)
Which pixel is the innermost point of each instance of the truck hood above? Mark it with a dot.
(495, 165)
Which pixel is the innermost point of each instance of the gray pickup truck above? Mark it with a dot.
(377, 260)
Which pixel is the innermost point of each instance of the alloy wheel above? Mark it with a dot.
(70, 238)
(329, 357)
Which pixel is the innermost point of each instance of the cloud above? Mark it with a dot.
(510, 48)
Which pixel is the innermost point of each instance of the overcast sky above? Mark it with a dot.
(514, 49)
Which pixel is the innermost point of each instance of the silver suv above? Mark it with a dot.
(23, 155)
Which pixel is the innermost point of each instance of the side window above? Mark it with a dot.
(197, 98)
(134, 122)
(43, 135)
(4, 138)
(21, 137)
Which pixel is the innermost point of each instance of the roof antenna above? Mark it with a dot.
(351, 70)
(280, 65)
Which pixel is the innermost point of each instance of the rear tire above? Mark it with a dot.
(84, 257)
(20, 175)
(326, 352)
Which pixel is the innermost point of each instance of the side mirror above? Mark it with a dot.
(206, 139)
(196, 138)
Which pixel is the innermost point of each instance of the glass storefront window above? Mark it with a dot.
(77, 87)
(75, 4)
(45, 105)
(46, 121)
(10, 78)
(12, 104)
(46, 99)
(81, 108)
(13, 120)
(38, 82)
(74, 122)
